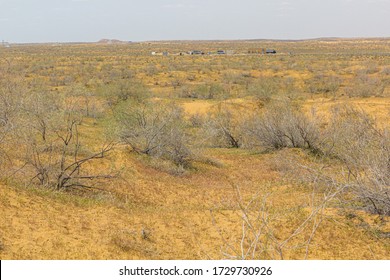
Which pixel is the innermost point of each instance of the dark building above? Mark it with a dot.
(270, 51)
(197, 52)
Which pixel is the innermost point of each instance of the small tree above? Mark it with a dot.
(57, 160)
(53, 153)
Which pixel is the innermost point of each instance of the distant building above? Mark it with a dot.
(261, 51)
(196, 52)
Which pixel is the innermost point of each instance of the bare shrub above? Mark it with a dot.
(42, 112)
(12, 94)
(236, 78)
(224, 128)
(365, 86)
(364, 148)
(155, 129)
(257, 235)
(322, 84)
(123, 90)
(290, 88)
(50, 152)
(282, 126)
(355, 159)
(369, 67)
(87, 101)
(197, 120)
(203, 91)
(57, 159)
(263, 89)
(186, 91)
(9, 104)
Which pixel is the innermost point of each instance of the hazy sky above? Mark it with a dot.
(136, 20)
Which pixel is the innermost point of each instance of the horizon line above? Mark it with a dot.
(328, 38)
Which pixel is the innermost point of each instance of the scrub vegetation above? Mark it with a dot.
(110, 152)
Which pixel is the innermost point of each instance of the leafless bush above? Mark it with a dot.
(361, 151)
(197, 120)
(259, 237)
(204, 91)
(49, 151)
(186, 91)
(321, 84)
(12, 94)
(86, 101)
(263, 89)
(359, 148)
(156, 130)
(236, 78)
(364, 148)
(365, 86)
(224, 128)
(41, 112)
(282, 126)
(123, 90)
(56, 159)
(369, 67)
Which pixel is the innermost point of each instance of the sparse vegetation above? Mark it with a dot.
(364, 149)
(156, 130)
(224, 128)
(365, 86)
(302, 136)
(283, 126)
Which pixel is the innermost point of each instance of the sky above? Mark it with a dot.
(34, 21)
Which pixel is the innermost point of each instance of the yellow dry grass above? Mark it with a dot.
(154, 215)
(147, 213)
(377, 107)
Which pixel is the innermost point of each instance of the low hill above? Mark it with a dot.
(112, 41)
